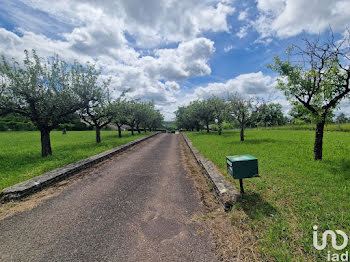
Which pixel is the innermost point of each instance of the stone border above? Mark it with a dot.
(37, 183)
(224, 191)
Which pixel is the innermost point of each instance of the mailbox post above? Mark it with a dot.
(242, 166)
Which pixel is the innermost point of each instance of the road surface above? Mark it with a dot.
(139, 206)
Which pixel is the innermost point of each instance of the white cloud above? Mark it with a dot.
(243, 15)
(228, 48)
(243, 31)
(189, 59)
(150, 22)
(286, 18)
(251, 84)
(108, 32)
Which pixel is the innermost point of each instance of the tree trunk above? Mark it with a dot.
(45, 143)
(138, 128)
(207, 127)
(132, 130)
(98, 135)
(242, 127)
(242, 132)
(220, 129)
(119, 131)
(144, 129)
(319, 140)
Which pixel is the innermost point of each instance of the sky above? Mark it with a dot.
(173, 51)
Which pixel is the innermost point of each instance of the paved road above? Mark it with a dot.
(137, 207)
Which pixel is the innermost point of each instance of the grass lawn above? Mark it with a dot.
(294, 192)
(328, 127)
(20, 154)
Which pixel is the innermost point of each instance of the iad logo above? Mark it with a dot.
(335, 256)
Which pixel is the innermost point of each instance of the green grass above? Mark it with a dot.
(294, 193)
(20, 155)
(328, 127)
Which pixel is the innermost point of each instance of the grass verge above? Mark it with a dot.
(294, 192)
(20, 155)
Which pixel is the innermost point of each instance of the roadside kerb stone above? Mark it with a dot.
(225, 192)
(38, 183)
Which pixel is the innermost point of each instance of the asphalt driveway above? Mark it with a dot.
(136, 207)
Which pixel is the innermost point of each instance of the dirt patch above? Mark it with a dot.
(234, 239)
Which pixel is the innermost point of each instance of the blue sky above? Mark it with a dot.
(173, 51)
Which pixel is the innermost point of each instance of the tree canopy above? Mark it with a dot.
(318, 78)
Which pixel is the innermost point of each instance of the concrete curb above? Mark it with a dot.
(37, 183)
(224, 191)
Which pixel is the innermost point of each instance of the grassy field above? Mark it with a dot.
(328, 127)
(294, 192)
(20, 155)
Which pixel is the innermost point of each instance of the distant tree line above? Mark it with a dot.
(50, 93)
(239, 111)
(299, 114)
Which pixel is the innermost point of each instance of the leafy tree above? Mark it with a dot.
(142, 113)
(119, 109)
(298, 111)
(98, 113)
(194, 114)
(154, 118)
(319, 82)
(131, 108)
(182, 118)
(240, 110)
(219, 110)
(188, 117)
(341, 118)
(204, 112)
(271, 115)
(45, 91)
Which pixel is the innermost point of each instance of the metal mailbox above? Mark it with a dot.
(242, 166)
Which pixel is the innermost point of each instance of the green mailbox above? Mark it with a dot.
(242, 166)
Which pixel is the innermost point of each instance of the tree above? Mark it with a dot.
(45, 91)
(131, 114)
(341, 118)
(219, 109)
(154, 118)
(319, 82)
(188, 117)
(119, 109)
(298, 111)
(240, 109)
(183, 118)
(142, 113)
(271, 114)
(98, 113)
(204, 112)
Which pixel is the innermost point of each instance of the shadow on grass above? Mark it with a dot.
(254, 141)
(255, 207)
(340, 167)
